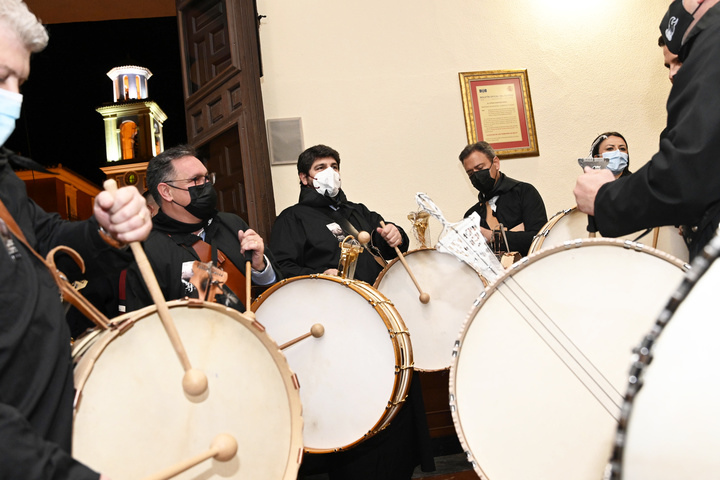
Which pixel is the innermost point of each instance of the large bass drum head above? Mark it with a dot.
(434, 326)
(674, 420)
(542, 358)
(354, 378)
(133, 418)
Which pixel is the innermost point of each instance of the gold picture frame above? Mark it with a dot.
(498, 110)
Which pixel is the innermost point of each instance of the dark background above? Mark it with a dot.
(68, 81)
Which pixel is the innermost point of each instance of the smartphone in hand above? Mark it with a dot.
(593, 162)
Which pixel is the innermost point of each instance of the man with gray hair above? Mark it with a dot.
(36, 374)
(188, 226)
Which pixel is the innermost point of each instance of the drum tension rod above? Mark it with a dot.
(395, 333)
(376, 303)
(396, 403)
(399, 368)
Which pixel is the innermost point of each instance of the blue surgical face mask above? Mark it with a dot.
(617, 161)
(10, 103)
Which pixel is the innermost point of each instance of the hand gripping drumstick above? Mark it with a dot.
(424, 297)
(194, 381)
(223, 448)
(316, 331)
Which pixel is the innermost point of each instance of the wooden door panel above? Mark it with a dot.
(224, 157)
(207, 47)
(223, 103)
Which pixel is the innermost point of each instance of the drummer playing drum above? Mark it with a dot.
(188, 224)
(502, 200)
(304, 242)
(305, 236)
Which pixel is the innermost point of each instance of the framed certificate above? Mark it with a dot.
(498, 110)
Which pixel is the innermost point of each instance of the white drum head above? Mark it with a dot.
(673, 426)
(434, 326)
(542, 358)
(351, 375)
(571, 224)
(133, 418)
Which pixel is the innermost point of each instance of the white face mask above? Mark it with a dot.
(327, 182)
(617, 161)
(10, 103)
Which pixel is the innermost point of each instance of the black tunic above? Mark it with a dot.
(167, 249)
(518, 202)
(304, 244)
(36, 384)
(679, 185)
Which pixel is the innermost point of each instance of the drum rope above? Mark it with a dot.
(562, 346)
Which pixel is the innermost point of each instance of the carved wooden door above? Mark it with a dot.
(223, 104)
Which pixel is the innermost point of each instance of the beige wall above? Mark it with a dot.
(378, 81)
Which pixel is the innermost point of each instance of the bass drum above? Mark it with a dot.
(671, 424)
(571, 224)
(542, 357)
(434, 326)
(563, 226)
(133, 419)
(355, 377)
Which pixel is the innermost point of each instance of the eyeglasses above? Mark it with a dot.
(197, 181)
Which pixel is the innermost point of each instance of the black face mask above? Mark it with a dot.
(203, 200)
(482, 181)
(674, 25)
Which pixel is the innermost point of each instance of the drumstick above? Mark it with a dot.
(316, 331)
(223, 448)
(194, 381)
(656, 234)
(248, 283)
(424, 297)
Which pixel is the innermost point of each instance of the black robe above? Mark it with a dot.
(518, 202)
(303, 243)
(36, 383)
(679, 185)
(167, 248)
